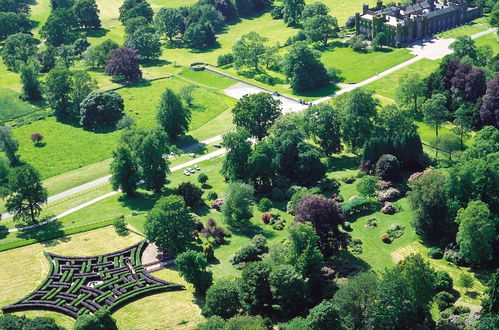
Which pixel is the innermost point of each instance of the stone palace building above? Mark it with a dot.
(403, 24)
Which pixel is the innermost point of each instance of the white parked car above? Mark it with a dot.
(197, 168)
(186, 172)
(191, 170)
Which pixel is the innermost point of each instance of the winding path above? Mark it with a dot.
(433, 48)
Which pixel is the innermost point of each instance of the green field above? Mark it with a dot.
(491, 39)
(475, 26)
(387, 86)
(358, 66)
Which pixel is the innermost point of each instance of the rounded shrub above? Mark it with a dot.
(435, 253)
(388, 167)
(202, 178)
(444, 300)
(212, 195)
(264, 205)
(443, 281)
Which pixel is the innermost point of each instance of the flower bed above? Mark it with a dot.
(67, 289)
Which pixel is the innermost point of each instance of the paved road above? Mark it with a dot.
(112, 193)
(430, 48)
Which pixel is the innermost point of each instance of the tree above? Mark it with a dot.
(303, 68)
(429, 205)
(8, 144)
(135, 8)
(80, 46)
(222, 299)
(31, 85)
(476, 233)
(490, 305)
(489, 111)
(246, 322)
(172, 116)
(12, 322)
(411, 91)
(238, 205)
(379, 40)
(58, 86)
(87, 14)
(309, 168)
(18, 49)
(191, 193)
(248, 49)
(368, 185)
(58, 29)
(326, 216)
(101, 320)
(358, 112)
(65, 56)
(394, 121)
(87, 322)
(169, 225)
(56, 4)
(170, 22)
(324, 316)
(151, 160)
(464, 46)
(388, 167)
(124, 171)
(235, 164)
(82, 86)
(186, 94)
(421, 279)
(261, 170)
(134, 24)
(394, 302)
(468, 83)
(254, 288)
(464, 121)
(124, 63)
(145, 42)
(9, 24)
(192, 266)
(355, 299)
(466, 281)
(288, 289)
(322, 123)
(314, 9)
(101, 109)
(97, 56)
(292, 11)
(199, 35)
(435, 113)
(27, 194)
(321, 28)
(256, 113)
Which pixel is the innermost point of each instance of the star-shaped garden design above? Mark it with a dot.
(81, 285)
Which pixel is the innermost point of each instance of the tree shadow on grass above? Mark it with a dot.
(98, 33)
(347, 264)
(50, 234)
(147, 63)
(343, 162)
(252, 230)
(185, 141)
(472, 294)
(3, 232)
(141, 202)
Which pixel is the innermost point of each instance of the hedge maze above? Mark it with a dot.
(80, 285)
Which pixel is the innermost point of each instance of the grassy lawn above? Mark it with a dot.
(358, 66)
(342, 9)
(490, 39)
(387, 86)
(475, 26)
(11, 106)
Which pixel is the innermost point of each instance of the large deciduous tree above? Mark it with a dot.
(124, 63)
(58, 29)
(169, 225)
(327, 217)
(18, 49)
(324, 316)
(124, 171)
(254, 287)
(172, 116)
(154, 166)
(477, 231)
(435, 113)
(248, 50)
(101, 109)
(145, 42)
(289, 290)
(27, 194)
(199, 35)
(429, 205)
(321, 28)
(238, 205)
(358, 112)
(261, 170)
(192, 266)
(322, 123)
(411, 91)
(235, 165)
(135, 8)
(87, 14)
(58, 86)
(256, 113)
(304, 69)
(222, 299)
(31, 85)
(292, 11)
(170, 22)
